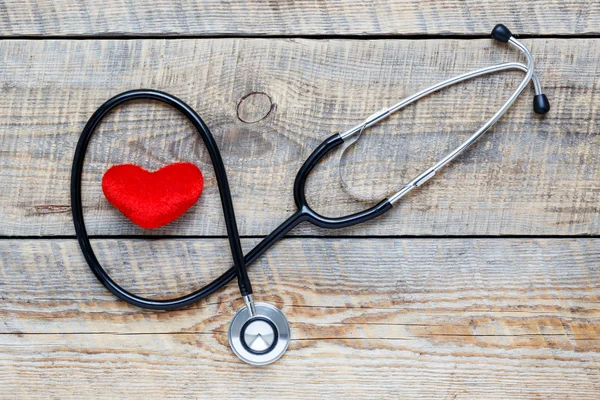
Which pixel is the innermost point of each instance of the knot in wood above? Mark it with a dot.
(254, 107)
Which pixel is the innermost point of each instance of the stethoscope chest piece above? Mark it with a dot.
(261, 338)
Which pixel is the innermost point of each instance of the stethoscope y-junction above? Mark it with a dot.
(259, 333)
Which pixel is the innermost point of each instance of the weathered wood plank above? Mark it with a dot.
(193, 366)
(375, 318)
(47, 287)
(305, 17)
(530, 175)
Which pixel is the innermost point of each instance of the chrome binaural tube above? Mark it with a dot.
(541, 106)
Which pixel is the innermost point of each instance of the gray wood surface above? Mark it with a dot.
(304, 17)
(270, 102)
(376, 318)
(374, 313)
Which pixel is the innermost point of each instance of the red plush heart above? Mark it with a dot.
(153, 199)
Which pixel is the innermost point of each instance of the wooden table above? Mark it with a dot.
(485, 284)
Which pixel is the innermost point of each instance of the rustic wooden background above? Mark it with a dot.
(483, 285)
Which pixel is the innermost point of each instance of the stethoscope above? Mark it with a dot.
(259, 333)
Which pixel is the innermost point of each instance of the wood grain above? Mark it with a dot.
(303, 17)
(374, 318)
(528, 176)
(371, 317)
(187, 366)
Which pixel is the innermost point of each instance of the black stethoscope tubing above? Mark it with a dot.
(240, 261)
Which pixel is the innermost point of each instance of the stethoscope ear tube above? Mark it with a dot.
(541, 105)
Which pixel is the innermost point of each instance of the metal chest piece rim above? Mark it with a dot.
(262, 338)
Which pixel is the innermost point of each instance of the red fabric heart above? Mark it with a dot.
(153, 199)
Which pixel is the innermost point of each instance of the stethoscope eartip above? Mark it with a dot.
(260, 338)
(501, 33)
(541, 105)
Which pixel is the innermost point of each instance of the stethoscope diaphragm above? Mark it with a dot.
(261, 338)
